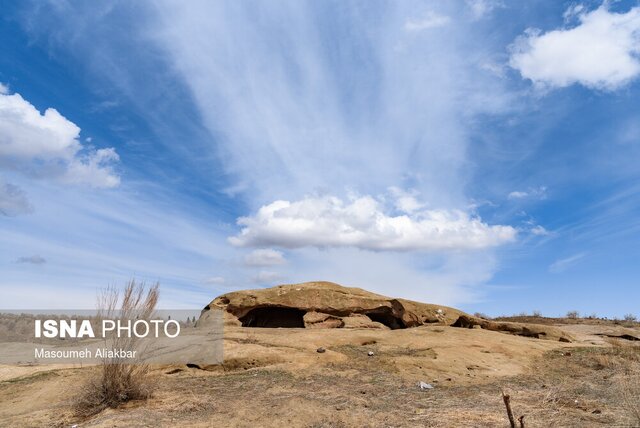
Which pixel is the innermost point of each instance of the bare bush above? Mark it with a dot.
(573, 315)
(537, 314)
(630, 318)
(117, 381)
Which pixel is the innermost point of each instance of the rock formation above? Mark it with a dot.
(324, 305)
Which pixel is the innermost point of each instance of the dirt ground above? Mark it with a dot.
(276, 377)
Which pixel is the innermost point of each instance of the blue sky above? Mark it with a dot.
(481, 154)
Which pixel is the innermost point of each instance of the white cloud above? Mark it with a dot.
(362, 222)
(33, 260)
(47, 145)
(532, 192)
(393, 109)
(517, 195)
(601, 52)
(264, 257)
(540, 231)
(430, 20)
(13, 200)
(481, 8)
(563, 264)
(573, 11)
(4, 89)
(267, 277)
(406, 202)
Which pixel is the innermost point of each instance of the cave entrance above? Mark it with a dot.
(386, 317)
(274, 317)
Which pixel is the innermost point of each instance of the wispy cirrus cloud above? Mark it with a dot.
(430, 19)
(530, 193)
(562, 265)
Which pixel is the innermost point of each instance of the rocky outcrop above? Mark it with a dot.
(538, 331)
(314, 319)
(326, 305)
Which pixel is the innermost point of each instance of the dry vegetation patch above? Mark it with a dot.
(117, 381)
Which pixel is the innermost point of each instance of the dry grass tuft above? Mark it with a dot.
(119, 382)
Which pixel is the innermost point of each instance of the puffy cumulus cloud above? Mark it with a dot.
(362, 223)
(47, 145)
(601, 52)
(264, 257)
(430, 20)
(13, 200)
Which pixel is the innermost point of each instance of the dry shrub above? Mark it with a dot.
(630, 392)
(629, 385)
(117, 381)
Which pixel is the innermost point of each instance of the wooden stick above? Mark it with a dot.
(507, 399)
(521, 419)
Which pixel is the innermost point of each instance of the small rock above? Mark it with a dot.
(74, 426)
(320, 350)
(597, 411)
(424, 385)
(370, 353)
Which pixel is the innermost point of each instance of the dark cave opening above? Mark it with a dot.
(386, 317)
(274, 317)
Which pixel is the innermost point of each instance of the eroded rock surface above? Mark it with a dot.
(537, 331)
(326, 305)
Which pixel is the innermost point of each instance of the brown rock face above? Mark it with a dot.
(326, 305)
(528, 330)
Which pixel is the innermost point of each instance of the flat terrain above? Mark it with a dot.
(275, 378)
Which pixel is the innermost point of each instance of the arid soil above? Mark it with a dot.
(274, 377)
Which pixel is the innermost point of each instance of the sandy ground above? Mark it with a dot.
(275, 378)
